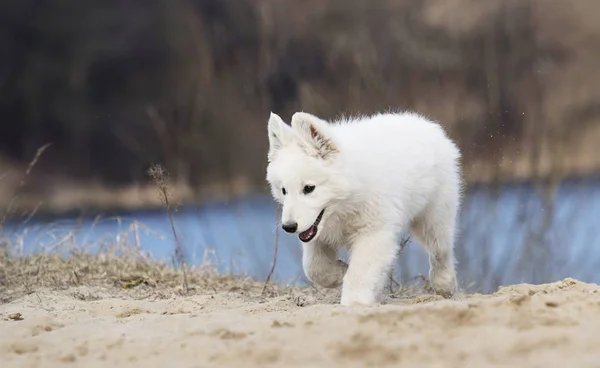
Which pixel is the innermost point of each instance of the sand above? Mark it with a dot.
(548, 325)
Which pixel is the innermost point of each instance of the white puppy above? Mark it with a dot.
(358, 184)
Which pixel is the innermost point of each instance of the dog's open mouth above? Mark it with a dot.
(309, 234)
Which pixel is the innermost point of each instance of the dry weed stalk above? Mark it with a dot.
(12, 201)
(391, 274)
(160, 178)
(275, 251)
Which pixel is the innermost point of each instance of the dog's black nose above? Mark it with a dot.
(290, 227)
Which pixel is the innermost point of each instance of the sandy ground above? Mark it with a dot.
(519, 326)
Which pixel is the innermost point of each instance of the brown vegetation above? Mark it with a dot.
(121, 269)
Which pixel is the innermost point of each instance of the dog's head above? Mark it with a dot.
(304, 172)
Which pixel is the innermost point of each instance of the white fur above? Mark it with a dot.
(376, 177)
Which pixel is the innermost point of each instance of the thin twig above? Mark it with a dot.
(32, 163)
(178, 249)
(159, 175)
(391, 273)
(274, 254)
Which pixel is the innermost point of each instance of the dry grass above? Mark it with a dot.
(122, 270)
(120, 266)
(160, 177)
(275, 250)
(128, 273)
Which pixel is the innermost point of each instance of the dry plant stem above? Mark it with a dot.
(391, 273)
(274, 253)
(178, 250)
(159, 176)
(34, 161)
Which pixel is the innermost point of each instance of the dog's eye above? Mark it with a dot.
(308, 189)
(283, 191)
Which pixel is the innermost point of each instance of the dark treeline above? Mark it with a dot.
(118, 85)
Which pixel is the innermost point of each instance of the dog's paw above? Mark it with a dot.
(363, 297)
(444, 283)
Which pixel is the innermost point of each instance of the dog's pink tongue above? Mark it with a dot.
(308, 233)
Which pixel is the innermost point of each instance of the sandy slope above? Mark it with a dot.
(519, 326)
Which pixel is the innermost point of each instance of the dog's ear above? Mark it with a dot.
(279, 134)
(314, 132)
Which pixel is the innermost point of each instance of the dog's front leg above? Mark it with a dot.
(321, 265)
(371, 257)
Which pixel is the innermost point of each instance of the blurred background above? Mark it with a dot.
(116, 86)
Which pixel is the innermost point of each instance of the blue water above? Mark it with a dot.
(506, 236)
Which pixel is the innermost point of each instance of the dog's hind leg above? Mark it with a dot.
(435, 230)
(321, 265)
